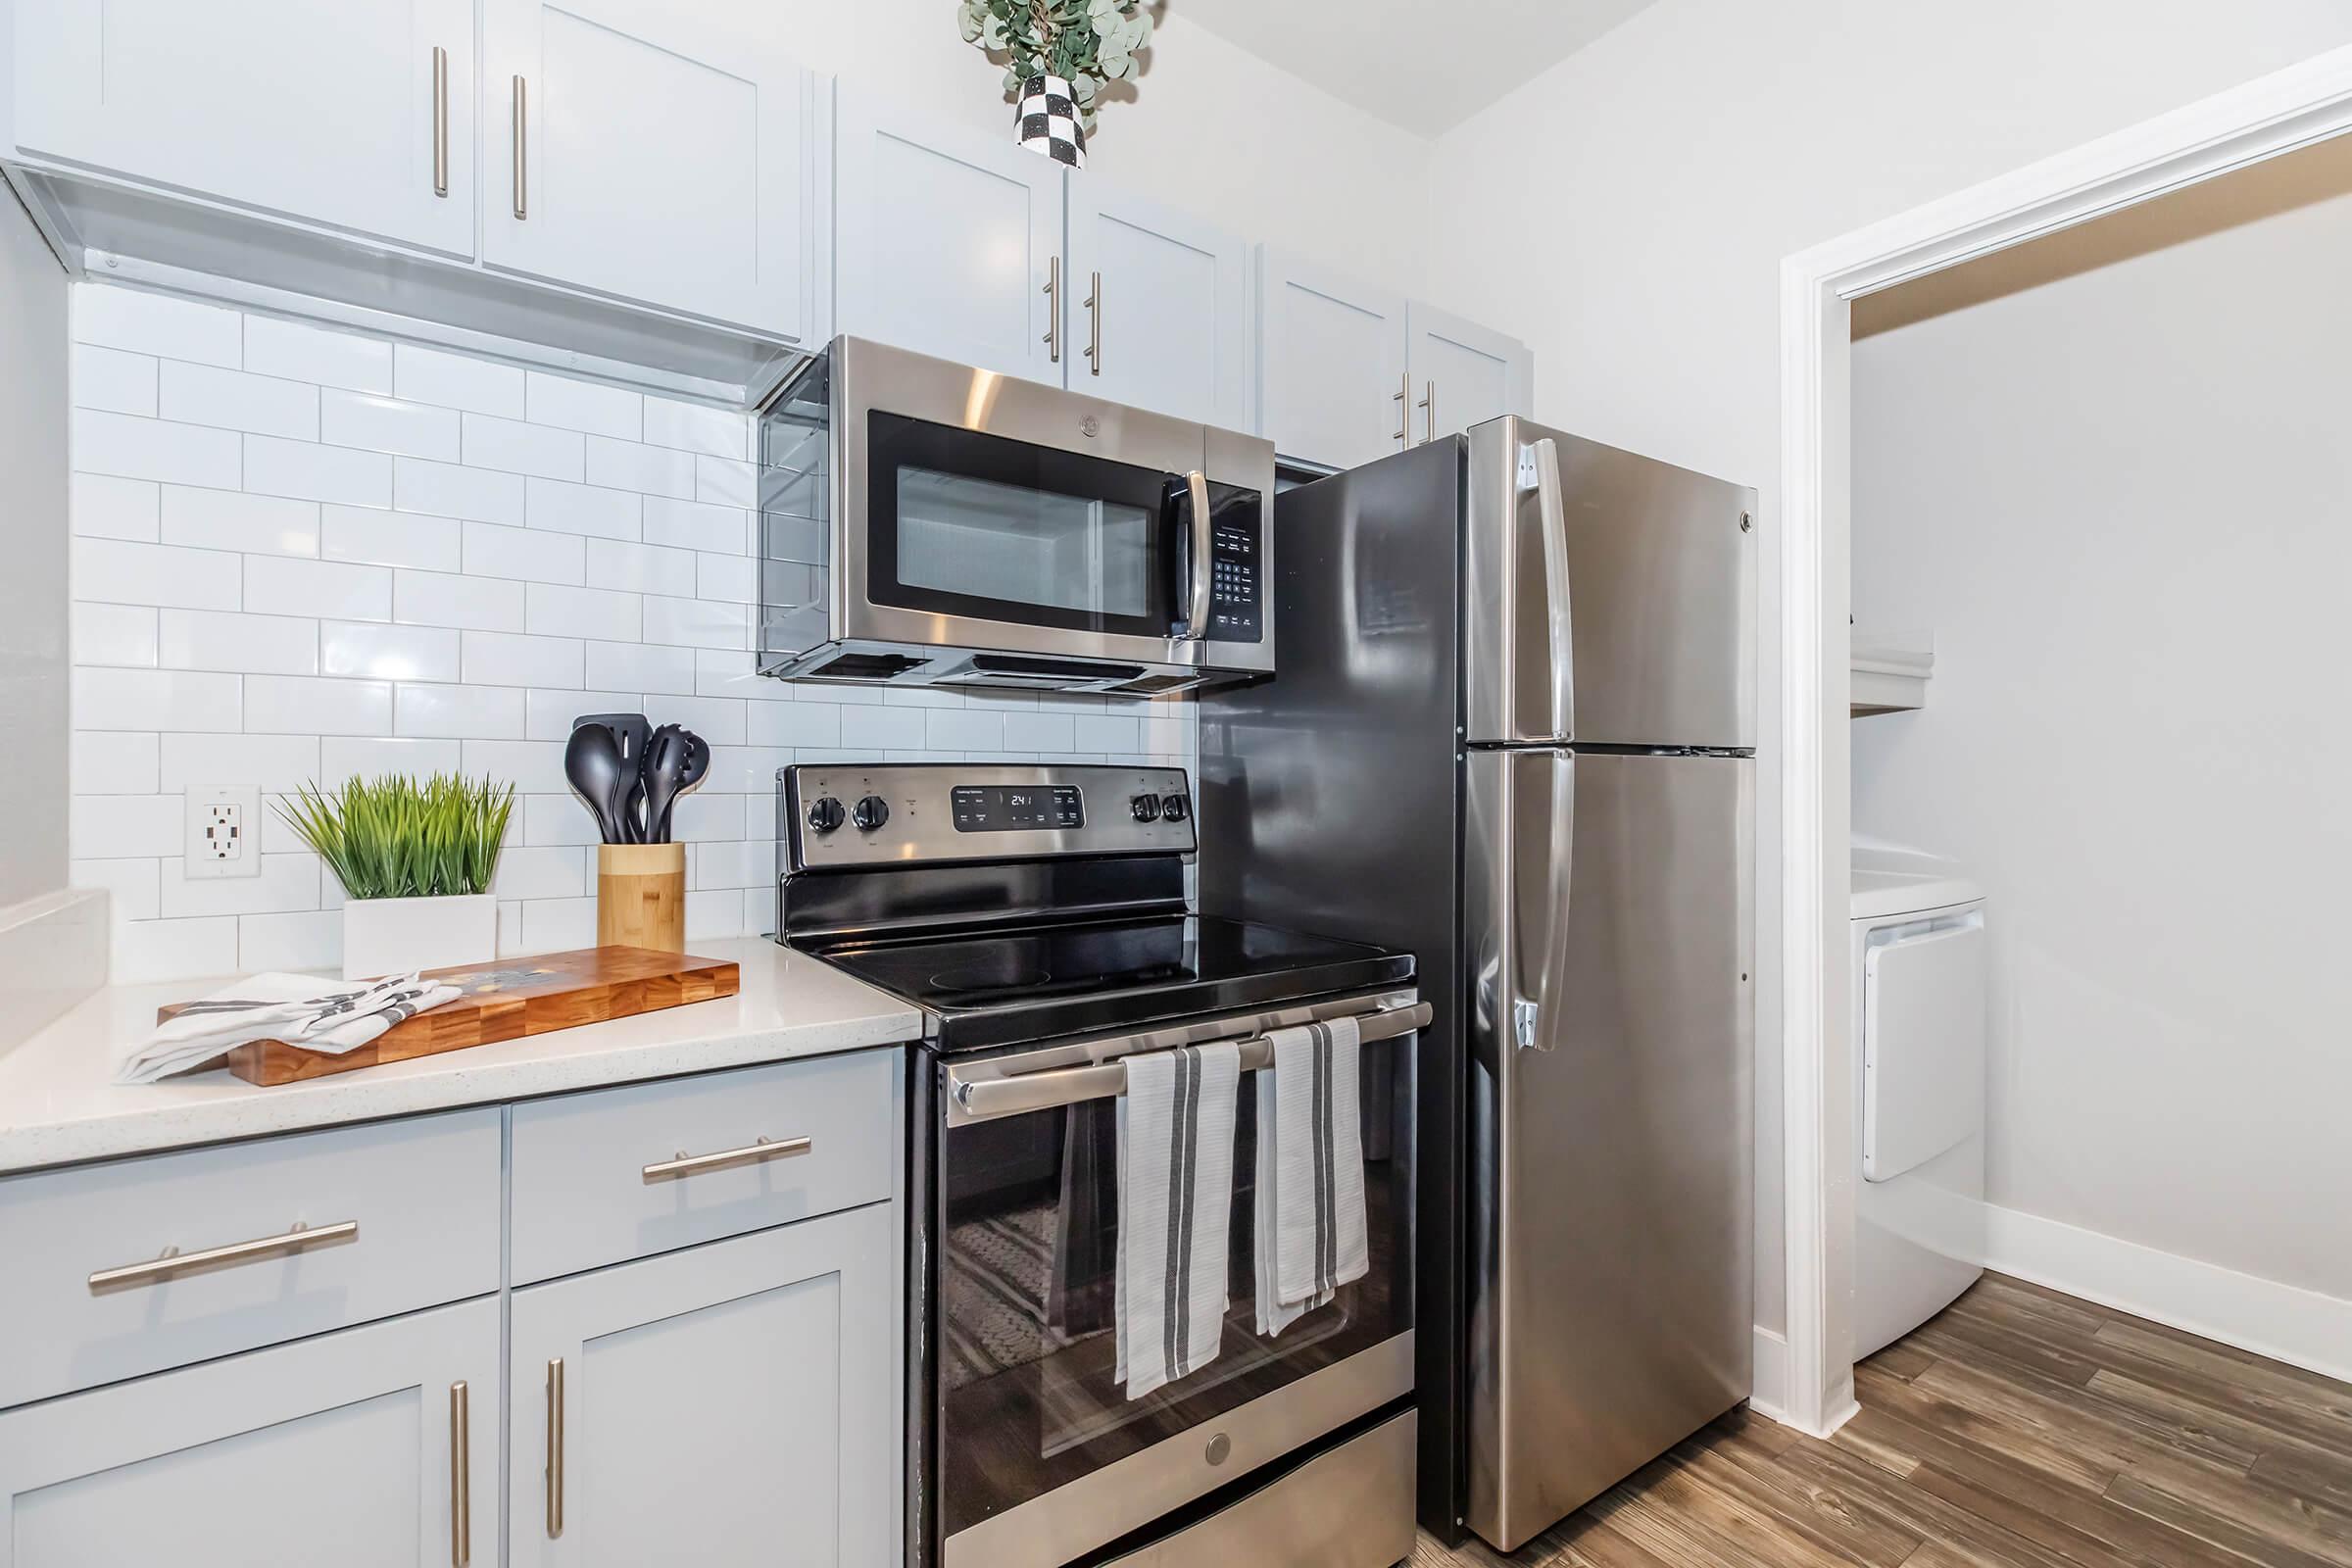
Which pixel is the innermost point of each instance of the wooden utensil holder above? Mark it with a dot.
(641, 896)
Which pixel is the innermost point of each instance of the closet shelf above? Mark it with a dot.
(1890, 671)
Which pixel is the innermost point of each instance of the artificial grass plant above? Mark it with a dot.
(396, 837)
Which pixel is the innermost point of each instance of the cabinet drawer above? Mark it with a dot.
(420, 1199)
(590, 1187)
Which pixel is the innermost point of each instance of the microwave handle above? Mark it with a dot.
(1197, 611)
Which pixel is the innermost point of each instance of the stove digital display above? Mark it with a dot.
(1006, 807)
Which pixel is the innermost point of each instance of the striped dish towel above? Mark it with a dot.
(328, 1016)
(1310, 1173)
(1175, 1211)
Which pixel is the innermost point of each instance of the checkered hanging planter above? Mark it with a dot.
(1049, 121)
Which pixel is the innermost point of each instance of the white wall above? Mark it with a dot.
(32, 585)
(1213, 129)
(1626, 212)
(2119, 499)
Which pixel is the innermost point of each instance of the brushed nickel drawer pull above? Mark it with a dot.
(174, 1261)
(460, 1478)
(554, 1447)
(522, 133)
(1093, 305)
(440, 121)
(765, 1150)
(1405, 419)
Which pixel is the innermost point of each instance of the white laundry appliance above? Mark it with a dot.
(1920, 1024)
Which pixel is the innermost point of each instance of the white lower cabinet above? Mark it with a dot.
(369, 1447)
(732, 1403)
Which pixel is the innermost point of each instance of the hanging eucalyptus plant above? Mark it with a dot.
(1086, 44)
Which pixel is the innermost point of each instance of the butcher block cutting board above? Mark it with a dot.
(507, 1001)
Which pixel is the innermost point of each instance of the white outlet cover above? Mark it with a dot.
(223, 838)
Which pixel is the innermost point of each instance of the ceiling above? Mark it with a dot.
(1424, 66)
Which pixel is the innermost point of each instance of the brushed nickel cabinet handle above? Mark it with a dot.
(523, 134)
(757, 1153)
(460, 1478)
(440, 121)
(1053, 309)
(174, 1261)
(1093, 305)
(1404, 419)
(554, 1447)
(1429, 406)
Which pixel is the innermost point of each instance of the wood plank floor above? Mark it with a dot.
(2021, 1429)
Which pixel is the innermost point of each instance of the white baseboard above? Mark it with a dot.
(2285, 1322)
(1771, 1396)
(52, 954)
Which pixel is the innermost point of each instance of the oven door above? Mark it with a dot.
(1038, 1455)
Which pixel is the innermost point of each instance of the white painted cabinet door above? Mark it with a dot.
(335, 1449)
(1331, 364)
(322, 112)
(947, 243)
(1169, 325)
(735, 1402)
(668, 156)
(1465, 374)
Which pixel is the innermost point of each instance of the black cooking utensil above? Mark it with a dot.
(695, 769)
(665, 767)
(633, 731)
(592, 761)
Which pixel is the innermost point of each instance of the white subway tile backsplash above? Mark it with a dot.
(494, 550)
(130, 885)
(110, 379)
(108, 762)
(726, 481)
(387, 424)
(556, 819)
(116, 508)
(717, 719)
(172, 949)
(317, 705)
(283, 585)
(285, 882)
(556, 925)
(717, 913)
(273, 762)
(554, 871)
(156, 700)
(299, 352)
(1040, 732)
(533, 767)
(388, 538)
(516, 447)
(879, 729)
(558, 612)
(458, 712)
(441, 599)
(796, 725)
(203, 394)
(508, 659)
(388, 652)
(230, 640)
(131, 448)
(747, 771)
(735, 672)
(455, 382)
(118, 572)
(1108, 732)
(605, 411)
(109, 827)
(640, 568)
(697, 525)
(648, 470)
(961, 729)
(560, 507)
(278, 943)
(230, 519)
(122, 635)
(697, 622)
(640, 667)
(548, 712)
(697, 428)
(446, 490)
(158, 323)
(705, 818)
(277, 466)
(732, 578)
(345, 757)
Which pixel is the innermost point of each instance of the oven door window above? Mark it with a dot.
(1026, 1401)
(961, 524)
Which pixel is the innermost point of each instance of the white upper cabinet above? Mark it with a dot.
(1332, 364)
(1159, 308)
(665, 155)
(949, 244)
(1463, 374)
(355, 115)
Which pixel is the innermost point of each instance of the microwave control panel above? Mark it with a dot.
(1236, 585)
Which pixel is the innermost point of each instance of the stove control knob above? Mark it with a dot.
(825, 815)
(1146, 807)
(870, 813)
(1174, 808)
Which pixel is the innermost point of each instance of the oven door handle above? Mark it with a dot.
(984, 1099)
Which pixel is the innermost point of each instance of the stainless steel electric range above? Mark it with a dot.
(1037, 916)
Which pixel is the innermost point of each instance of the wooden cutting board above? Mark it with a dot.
(505, 1002)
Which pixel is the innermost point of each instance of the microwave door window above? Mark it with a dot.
(976, 537)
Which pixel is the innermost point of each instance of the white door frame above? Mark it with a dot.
(2276, 114)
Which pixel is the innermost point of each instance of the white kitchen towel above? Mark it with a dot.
(1175, 1211)
(1310, 1172)
(330, 1016)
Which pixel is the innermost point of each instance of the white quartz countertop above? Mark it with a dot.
(59, 1103)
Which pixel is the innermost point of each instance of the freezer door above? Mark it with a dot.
(1611, 1126)
(1610, 597)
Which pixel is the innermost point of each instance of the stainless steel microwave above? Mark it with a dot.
(924, 523)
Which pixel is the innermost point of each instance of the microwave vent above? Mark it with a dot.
(1026, 667)
(1155, 685)
(864, 668)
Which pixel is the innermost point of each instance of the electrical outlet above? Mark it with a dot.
(222, 823)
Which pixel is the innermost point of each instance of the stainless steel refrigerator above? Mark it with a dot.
(1512, 732)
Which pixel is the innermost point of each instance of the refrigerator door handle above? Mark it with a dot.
(1552, 517)
(1548, 934)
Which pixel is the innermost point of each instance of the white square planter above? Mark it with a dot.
(393, 936)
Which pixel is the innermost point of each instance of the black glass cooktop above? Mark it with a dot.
(1012, 986)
